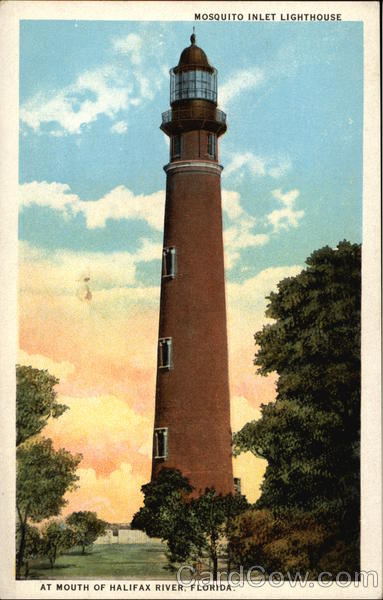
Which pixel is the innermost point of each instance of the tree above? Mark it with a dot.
(43, 477)
(86, 527)
(35, 401)
(288, 542)
(310, 434)
(213, 514)
(32, 544)
(285, 543)
(192, 528)
(56, 537)
(184, 537)
(163, 500)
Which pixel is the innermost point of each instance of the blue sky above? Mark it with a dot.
(91, 151)
(92, 190)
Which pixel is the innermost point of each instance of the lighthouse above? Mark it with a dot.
(192, 406)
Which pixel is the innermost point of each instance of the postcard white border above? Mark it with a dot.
(11, 12)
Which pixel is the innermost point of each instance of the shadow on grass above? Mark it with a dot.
(116, 561)
(43, 570)
(46, 566)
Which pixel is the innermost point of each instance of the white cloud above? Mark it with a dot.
(148, 251)
(287, 199)
(239, 234)
(148, 86)
(257, 166)
(120, 127)
(241, 412)
(231, 204)
(119, 203)
(104, 419)
(130, 45)
(54, 133)
(63, 271)
(287, 216)
(108, 494)
(239, 237)
(107, 90)
(53, 195)
(100, 426)
(61, 370)
(237, 83)
(279, 167)
(250, 294)
(101, 91)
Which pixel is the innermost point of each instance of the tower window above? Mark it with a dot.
(176, 146)
(169, 262)
(212, 145)
(161, 442)
(237, 485)
(165, 353)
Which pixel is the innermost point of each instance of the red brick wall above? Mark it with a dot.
(192, 399)
(194, 145)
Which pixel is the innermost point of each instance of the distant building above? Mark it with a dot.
(121, 533)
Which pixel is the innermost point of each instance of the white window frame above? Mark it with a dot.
(164, 431)
(237, 485)
(169, 342)
(173, 153)
(213, 138)
(173, 270)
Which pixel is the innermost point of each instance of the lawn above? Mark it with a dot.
(120, 561)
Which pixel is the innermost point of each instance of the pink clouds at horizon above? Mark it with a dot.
(104, 353)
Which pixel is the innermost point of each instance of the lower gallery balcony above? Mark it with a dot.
(179, 119)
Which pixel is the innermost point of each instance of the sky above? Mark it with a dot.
(91, 203)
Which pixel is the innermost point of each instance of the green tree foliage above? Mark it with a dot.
(184, 537)
(289, 542)
(214, 514)
(35, 401)
(32, 545)
(43, 477)
(310, 434)
(86, 527)
(193, 528)
(56, 538)
(163, 499)
(43, 474)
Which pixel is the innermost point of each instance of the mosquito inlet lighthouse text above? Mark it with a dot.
(267, 16)
(192, 410)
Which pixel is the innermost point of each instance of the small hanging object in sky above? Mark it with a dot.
(83, 292)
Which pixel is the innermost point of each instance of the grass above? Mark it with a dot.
(119, 561)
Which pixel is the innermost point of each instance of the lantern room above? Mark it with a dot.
(194, 83)
(193, 77)
(193, 95)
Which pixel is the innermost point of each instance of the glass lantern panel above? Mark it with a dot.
(193, 84)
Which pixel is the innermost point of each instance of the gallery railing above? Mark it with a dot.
(192, 113)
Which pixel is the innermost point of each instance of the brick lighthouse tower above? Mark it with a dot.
(192, 413)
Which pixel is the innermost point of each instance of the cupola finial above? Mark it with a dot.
(193, 37)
